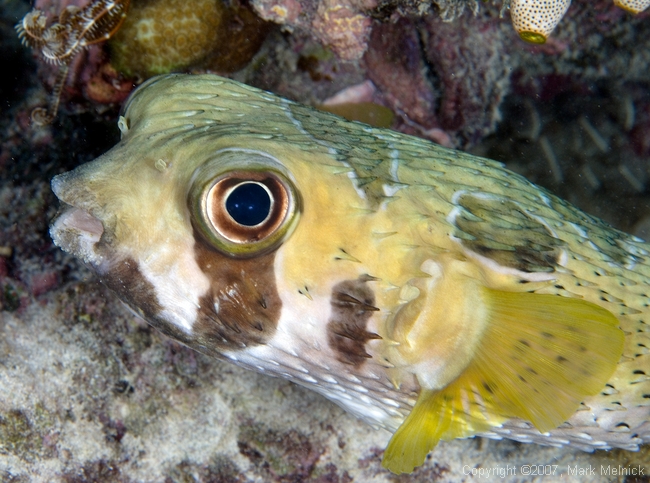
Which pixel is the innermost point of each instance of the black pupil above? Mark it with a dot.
(248, 204)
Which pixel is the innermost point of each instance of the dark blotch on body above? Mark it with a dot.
(501, 230)
(352, 306)
(243, 290)
(126, 280)
(242, 307)
(133, 288)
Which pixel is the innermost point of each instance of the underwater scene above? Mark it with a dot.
(324, 241)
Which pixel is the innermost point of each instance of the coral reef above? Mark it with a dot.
(342, 25)
(440, 76)
(397, 68)
(161, 36)
(469, 103)
(445, 80)
(166, 36)
(60, 39)
(345, 25)
(442, 68)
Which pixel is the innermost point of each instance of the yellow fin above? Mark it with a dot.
(436, 415)
(539, 357)
(543, 354)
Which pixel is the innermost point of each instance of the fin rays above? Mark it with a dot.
(540, 356)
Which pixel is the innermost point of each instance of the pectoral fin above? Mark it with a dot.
(539, 357)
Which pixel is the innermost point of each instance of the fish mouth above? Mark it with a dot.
(76, 229)
(77, 232)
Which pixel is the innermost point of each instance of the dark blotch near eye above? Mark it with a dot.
(249, 204)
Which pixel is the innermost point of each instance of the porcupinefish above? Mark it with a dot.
(424, 290)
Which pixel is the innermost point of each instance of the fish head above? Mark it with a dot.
(236, 233)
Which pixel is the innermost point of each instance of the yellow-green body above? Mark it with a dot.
(430, 256)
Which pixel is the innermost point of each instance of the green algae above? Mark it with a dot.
(22, 432)
(10, 298)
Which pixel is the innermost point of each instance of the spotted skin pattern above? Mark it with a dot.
(379, 216)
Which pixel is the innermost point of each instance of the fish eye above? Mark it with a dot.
(243, 212)
(249, 203)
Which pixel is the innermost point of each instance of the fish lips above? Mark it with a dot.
(75, 229)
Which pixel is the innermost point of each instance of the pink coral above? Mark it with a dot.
(345, 30)
(342, 25)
